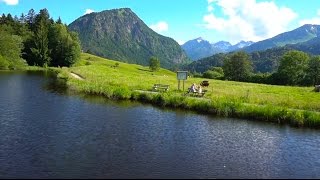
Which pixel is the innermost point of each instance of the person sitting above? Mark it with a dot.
(199, 89)
(193, 88)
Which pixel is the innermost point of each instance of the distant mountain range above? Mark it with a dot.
(119, 34)
(299, 35)
(200, 48)
(266, 54)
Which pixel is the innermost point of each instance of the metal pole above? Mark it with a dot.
(183, 85)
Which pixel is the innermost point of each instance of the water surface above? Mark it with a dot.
(45, 133)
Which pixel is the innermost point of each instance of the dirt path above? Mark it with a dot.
(76, 76)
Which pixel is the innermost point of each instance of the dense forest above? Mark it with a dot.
(36, 39)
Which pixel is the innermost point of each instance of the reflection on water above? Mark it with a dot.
(48, 133)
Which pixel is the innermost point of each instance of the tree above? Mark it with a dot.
(64, 46)
(154, 64)
(10, 50)
(30, 19)
(40, 50)
(237, 67)
(59, 21)
(314, 70)
(292, 68)
(39, 46)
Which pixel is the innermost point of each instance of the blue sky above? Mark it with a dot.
(183, 20)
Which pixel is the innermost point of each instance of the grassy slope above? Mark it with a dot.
(297, 105)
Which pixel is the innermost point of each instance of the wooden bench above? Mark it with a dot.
(160, 87)
(196, 93)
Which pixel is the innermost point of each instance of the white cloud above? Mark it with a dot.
(88, 11)
(210, 8)
(248, 19)
(11, 2)
(315, 20)
(161, 26)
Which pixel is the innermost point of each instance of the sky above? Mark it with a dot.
(183, 20)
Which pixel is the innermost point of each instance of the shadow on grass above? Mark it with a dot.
(147, 70)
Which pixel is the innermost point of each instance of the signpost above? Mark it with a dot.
(182, 75)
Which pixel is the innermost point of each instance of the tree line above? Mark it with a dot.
(36, 39)
(296, 68)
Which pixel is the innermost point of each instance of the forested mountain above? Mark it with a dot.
(263, 61)
(299, 35)
(200, 48)
(120, 34)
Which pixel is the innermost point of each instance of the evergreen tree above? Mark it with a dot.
(30, 19)
(40, 50)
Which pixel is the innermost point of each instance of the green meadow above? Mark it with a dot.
(297, 106)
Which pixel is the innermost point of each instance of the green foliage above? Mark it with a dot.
(263, 78)
(154, 64)
(42, 41)
(214, 73)
(293, 66)
(237, 67)
(4, 64)
(40, 51)
(10, 50)
(65, 46)
(313, 71)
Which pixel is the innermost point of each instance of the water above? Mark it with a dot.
(46, 133)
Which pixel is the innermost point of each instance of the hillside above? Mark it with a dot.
(121, 35)
(299, 35)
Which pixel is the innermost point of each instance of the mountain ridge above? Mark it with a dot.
(299, 35)
(200, 48)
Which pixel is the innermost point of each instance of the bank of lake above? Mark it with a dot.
(296, 106)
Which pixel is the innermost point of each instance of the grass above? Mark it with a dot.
(298, 106)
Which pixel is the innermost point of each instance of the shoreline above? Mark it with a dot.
(207, 106)
(217, 107)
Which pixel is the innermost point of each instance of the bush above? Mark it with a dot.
(4, 64)
(213, 75)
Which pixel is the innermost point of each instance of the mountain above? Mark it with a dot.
(201, 48)
(299, 35)
(240, 45)
(198, 48)
(121, 35)
(222, 45)
(263, 61)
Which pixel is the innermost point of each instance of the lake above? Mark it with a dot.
(48, 132)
